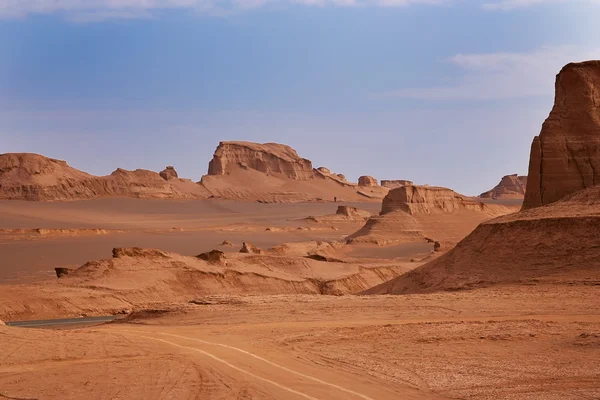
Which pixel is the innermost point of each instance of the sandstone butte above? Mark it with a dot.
(554, 239)
(417, 213)
(367, 181)
(272, 172)
(565, 157)
(510, 186)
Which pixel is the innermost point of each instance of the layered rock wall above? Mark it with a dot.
(267, 158)
(565, 157)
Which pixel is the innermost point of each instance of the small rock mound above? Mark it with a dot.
(227, 243)
(119, 252)
(168, 173)
(354, 212)
(251, 249)
(367, 181)
(61, 271)
(213, 256)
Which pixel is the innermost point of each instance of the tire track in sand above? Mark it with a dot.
(247, 353)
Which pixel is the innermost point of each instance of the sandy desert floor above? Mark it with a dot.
(520, 342)
(505, 342)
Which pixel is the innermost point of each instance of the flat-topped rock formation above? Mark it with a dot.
(565, 157)
(275, 173)
(26, 176)
(393, 184)
(417, 213)
(510, 187)
(367, 181)
(427, 200)
(267, 158)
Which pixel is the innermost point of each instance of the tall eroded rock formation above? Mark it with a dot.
(267, 158)
(565, 157)
(510, 186)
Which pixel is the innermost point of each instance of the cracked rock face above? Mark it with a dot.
(267, 158)
(565, 157)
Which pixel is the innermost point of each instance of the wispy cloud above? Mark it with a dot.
(98, 10)
(497, 76)
(514, 4)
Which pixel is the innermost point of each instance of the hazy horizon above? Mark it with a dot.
(441, 92)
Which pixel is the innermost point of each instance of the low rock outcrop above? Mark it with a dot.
(565, 157)
(367, 181)
(393, 184)
(213, 256)
(268, 158)
(354, 212)
(168, 173)
(510, 187)
(427, 200)
(60, 271)
(250, 248)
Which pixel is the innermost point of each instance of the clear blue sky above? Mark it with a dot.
(444, 92)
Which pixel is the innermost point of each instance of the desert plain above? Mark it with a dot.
(271, 279)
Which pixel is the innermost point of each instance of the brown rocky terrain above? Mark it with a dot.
(510, 186)
(270, 172)
(565, 157)
(26, 176)
(393, 184)
(139, 278)
(552, 244)
(417, 213)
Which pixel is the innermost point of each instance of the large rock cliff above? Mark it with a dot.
(565, 157)
(268, 158)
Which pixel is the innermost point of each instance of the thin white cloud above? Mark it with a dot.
(498, 76)
(97, 10)
(514, 4)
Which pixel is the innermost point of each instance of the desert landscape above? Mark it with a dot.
(273, 279)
